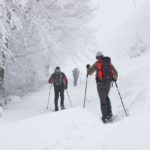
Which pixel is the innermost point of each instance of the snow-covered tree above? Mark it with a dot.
(37, 35)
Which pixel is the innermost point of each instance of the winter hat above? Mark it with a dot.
(57, 69)
(99, 54)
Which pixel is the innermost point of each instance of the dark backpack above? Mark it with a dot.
(104, 70)
(58, 78)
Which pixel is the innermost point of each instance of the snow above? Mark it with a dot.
(28, 121)
(55, 130)
(122, 32)
(75, 129)
(132, 133)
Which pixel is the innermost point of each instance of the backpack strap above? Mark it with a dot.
(99, 69)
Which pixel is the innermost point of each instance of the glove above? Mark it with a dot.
(65, 87)
(87, 66)
(50, 82)
(114, 80)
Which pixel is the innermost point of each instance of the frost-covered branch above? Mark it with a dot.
(33, 52)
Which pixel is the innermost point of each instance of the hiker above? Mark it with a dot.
(105, 74)
(75, 74)
(60, 82)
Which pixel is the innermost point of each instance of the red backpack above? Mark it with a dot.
(104, 69)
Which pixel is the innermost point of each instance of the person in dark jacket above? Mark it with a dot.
(60, 82)
(103, 87)
(75, 74)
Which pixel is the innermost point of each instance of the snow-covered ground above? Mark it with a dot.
(76, 129)
(29, 125)
(26, 124)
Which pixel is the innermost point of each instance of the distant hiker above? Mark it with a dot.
(105, 74)
(75, 74)
(60, 82)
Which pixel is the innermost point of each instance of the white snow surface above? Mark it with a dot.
(75, 129)
(26, 124)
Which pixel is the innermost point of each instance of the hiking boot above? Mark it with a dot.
(62, 107)
(56, 108)
(110, 115)
(105, 120)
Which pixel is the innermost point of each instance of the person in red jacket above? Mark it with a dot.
(60, 82)
(105, 74)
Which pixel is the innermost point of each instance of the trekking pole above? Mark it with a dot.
(69, 98)
(85, 91)
(121, 98)
(49, 96)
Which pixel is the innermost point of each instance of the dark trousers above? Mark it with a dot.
(59, 90)
(103, 89)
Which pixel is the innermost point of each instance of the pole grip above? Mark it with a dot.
(85, 90)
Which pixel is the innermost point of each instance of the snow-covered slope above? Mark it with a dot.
(75, 129)
(122, 31)
(134, 82)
